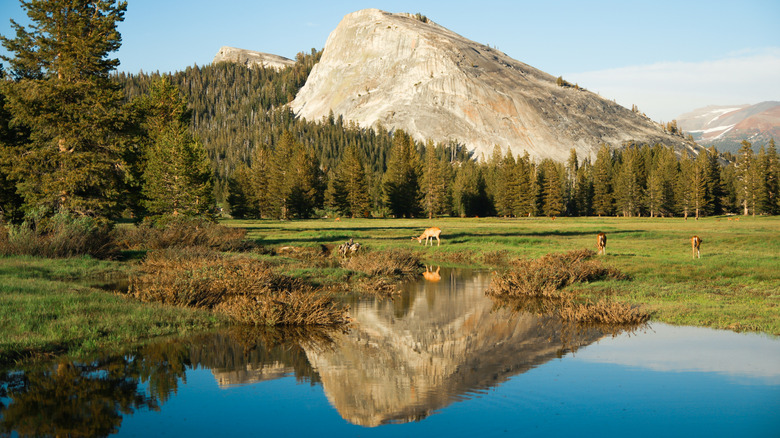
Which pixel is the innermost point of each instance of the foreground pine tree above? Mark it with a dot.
(61, 91)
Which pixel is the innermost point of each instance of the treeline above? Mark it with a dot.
(654, 181)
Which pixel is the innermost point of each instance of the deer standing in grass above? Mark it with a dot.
(428, 234)
(602, 243)
(696, 246)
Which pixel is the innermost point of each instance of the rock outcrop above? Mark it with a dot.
(406, 72)
(251, 58)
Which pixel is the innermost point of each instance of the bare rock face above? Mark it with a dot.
(408, 73)
(251, 58)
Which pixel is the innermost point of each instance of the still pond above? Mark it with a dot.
(440, 360)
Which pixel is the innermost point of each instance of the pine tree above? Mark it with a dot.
(506, 185)
(602, 182)
(348, 189)
(434, 189)
(746, 178)
(62, 92)
(583, 189)
(628, 189)
(699, 184)
(401, 184)
(683, 193)
(661, 181)
(525, 204)
(552, 188)
(715, 190)
(177, 174)
(569, 194)
(10, 140)
(772, 178)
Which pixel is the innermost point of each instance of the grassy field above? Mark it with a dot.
(735, 285)
(55, 306)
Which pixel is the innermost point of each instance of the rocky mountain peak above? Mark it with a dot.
(251, 59)
(406, 72)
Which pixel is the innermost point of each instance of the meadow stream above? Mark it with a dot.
(440, 359)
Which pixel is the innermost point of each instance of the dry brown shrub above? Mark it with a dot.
(604, 312)
(296, 307)
(247, 290)
(546, 276)
(183, 233)
(390, 263)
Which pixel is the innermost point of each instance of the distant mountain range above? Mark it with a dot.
(725, 127)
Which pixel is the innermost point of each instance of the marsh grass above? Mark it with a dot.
(246, 290)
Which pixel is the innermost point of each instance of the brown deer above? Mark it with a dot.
(602, 243)
(428, 234)
(696, 246)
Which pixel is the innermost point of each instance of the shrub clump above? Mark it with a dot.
(182, 233)
(390, 263)
(537, 286)
(60, 236)
(546, 276)
(246, 290)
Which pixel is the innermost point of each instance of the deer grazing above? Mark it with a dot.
(428, 234)
(696, 246)
(602, 243)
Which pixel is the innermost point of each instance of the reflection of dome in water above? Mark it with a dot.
(447, 342)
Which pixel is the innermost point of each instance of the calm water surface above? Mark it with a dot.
(442, 359)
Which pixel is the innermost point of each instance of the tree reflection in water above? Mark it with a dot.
(90, 398)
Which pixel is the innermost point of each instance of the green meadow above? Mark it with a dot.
(734, 285)
(61, 306)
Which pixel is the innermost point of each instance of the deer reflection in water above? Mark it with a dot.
(431, 275)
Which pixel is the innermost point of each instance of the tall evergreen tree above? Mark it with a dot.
(401, 184)
(747, 179)
(177, 175)
(628, 189)
(11, 138)
(572, 166)
(62, 92)
(434, 188)
(552, 188)
(348, 189)
(602, 182)
(772, 178)
(683, 194)
(699, 184)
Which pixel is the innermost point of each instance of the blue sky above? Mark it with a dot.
(667, 57)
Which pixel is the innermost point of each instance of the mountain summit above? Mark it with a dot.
(406, 72)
